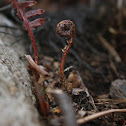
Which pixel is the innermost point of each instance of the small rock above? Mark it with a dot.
(16, 106)
(118, 89)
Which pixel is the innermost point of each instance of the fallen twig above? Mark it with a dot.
(99, 114)
(38, 84)
(35, 66)
(112, 101)
(66, 106)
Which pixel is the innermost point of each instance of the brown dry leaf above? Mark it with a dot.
(74, 79)
(76, 91)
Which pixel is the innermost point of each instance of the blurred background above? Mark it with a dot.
(59, 4)
(99, 47)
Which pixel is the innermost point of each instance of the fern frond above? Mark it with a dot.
(20, 8)
(24, 15)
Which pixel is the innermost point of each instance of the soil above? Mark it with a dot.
(97, 64)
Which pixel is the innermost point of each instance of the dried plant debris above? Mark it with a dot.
(80, 93)
(66, 106)
(97, 115)
(82, 101)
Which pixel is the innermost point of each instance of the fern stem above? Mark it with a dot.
(26, 22)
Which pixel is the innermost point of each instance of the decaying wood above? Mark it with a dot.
(35, 66)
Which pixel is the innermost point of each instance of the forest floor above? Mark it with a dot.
(96, 63)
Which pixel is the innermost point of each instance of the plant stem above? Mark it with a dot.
(65, 28)
(65, 55)
(19, 11)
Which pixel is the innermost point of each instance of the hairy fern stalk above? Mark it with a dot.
(24, 15)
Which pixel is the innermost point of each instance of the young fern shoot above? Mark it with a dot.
(65, 28)
(24, 15)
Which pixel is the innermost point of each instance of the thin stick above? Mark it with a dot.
(35, 66)
(99, 114)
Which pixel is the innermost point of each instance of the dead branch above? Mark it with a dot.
(99, 114)
(66, 106)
